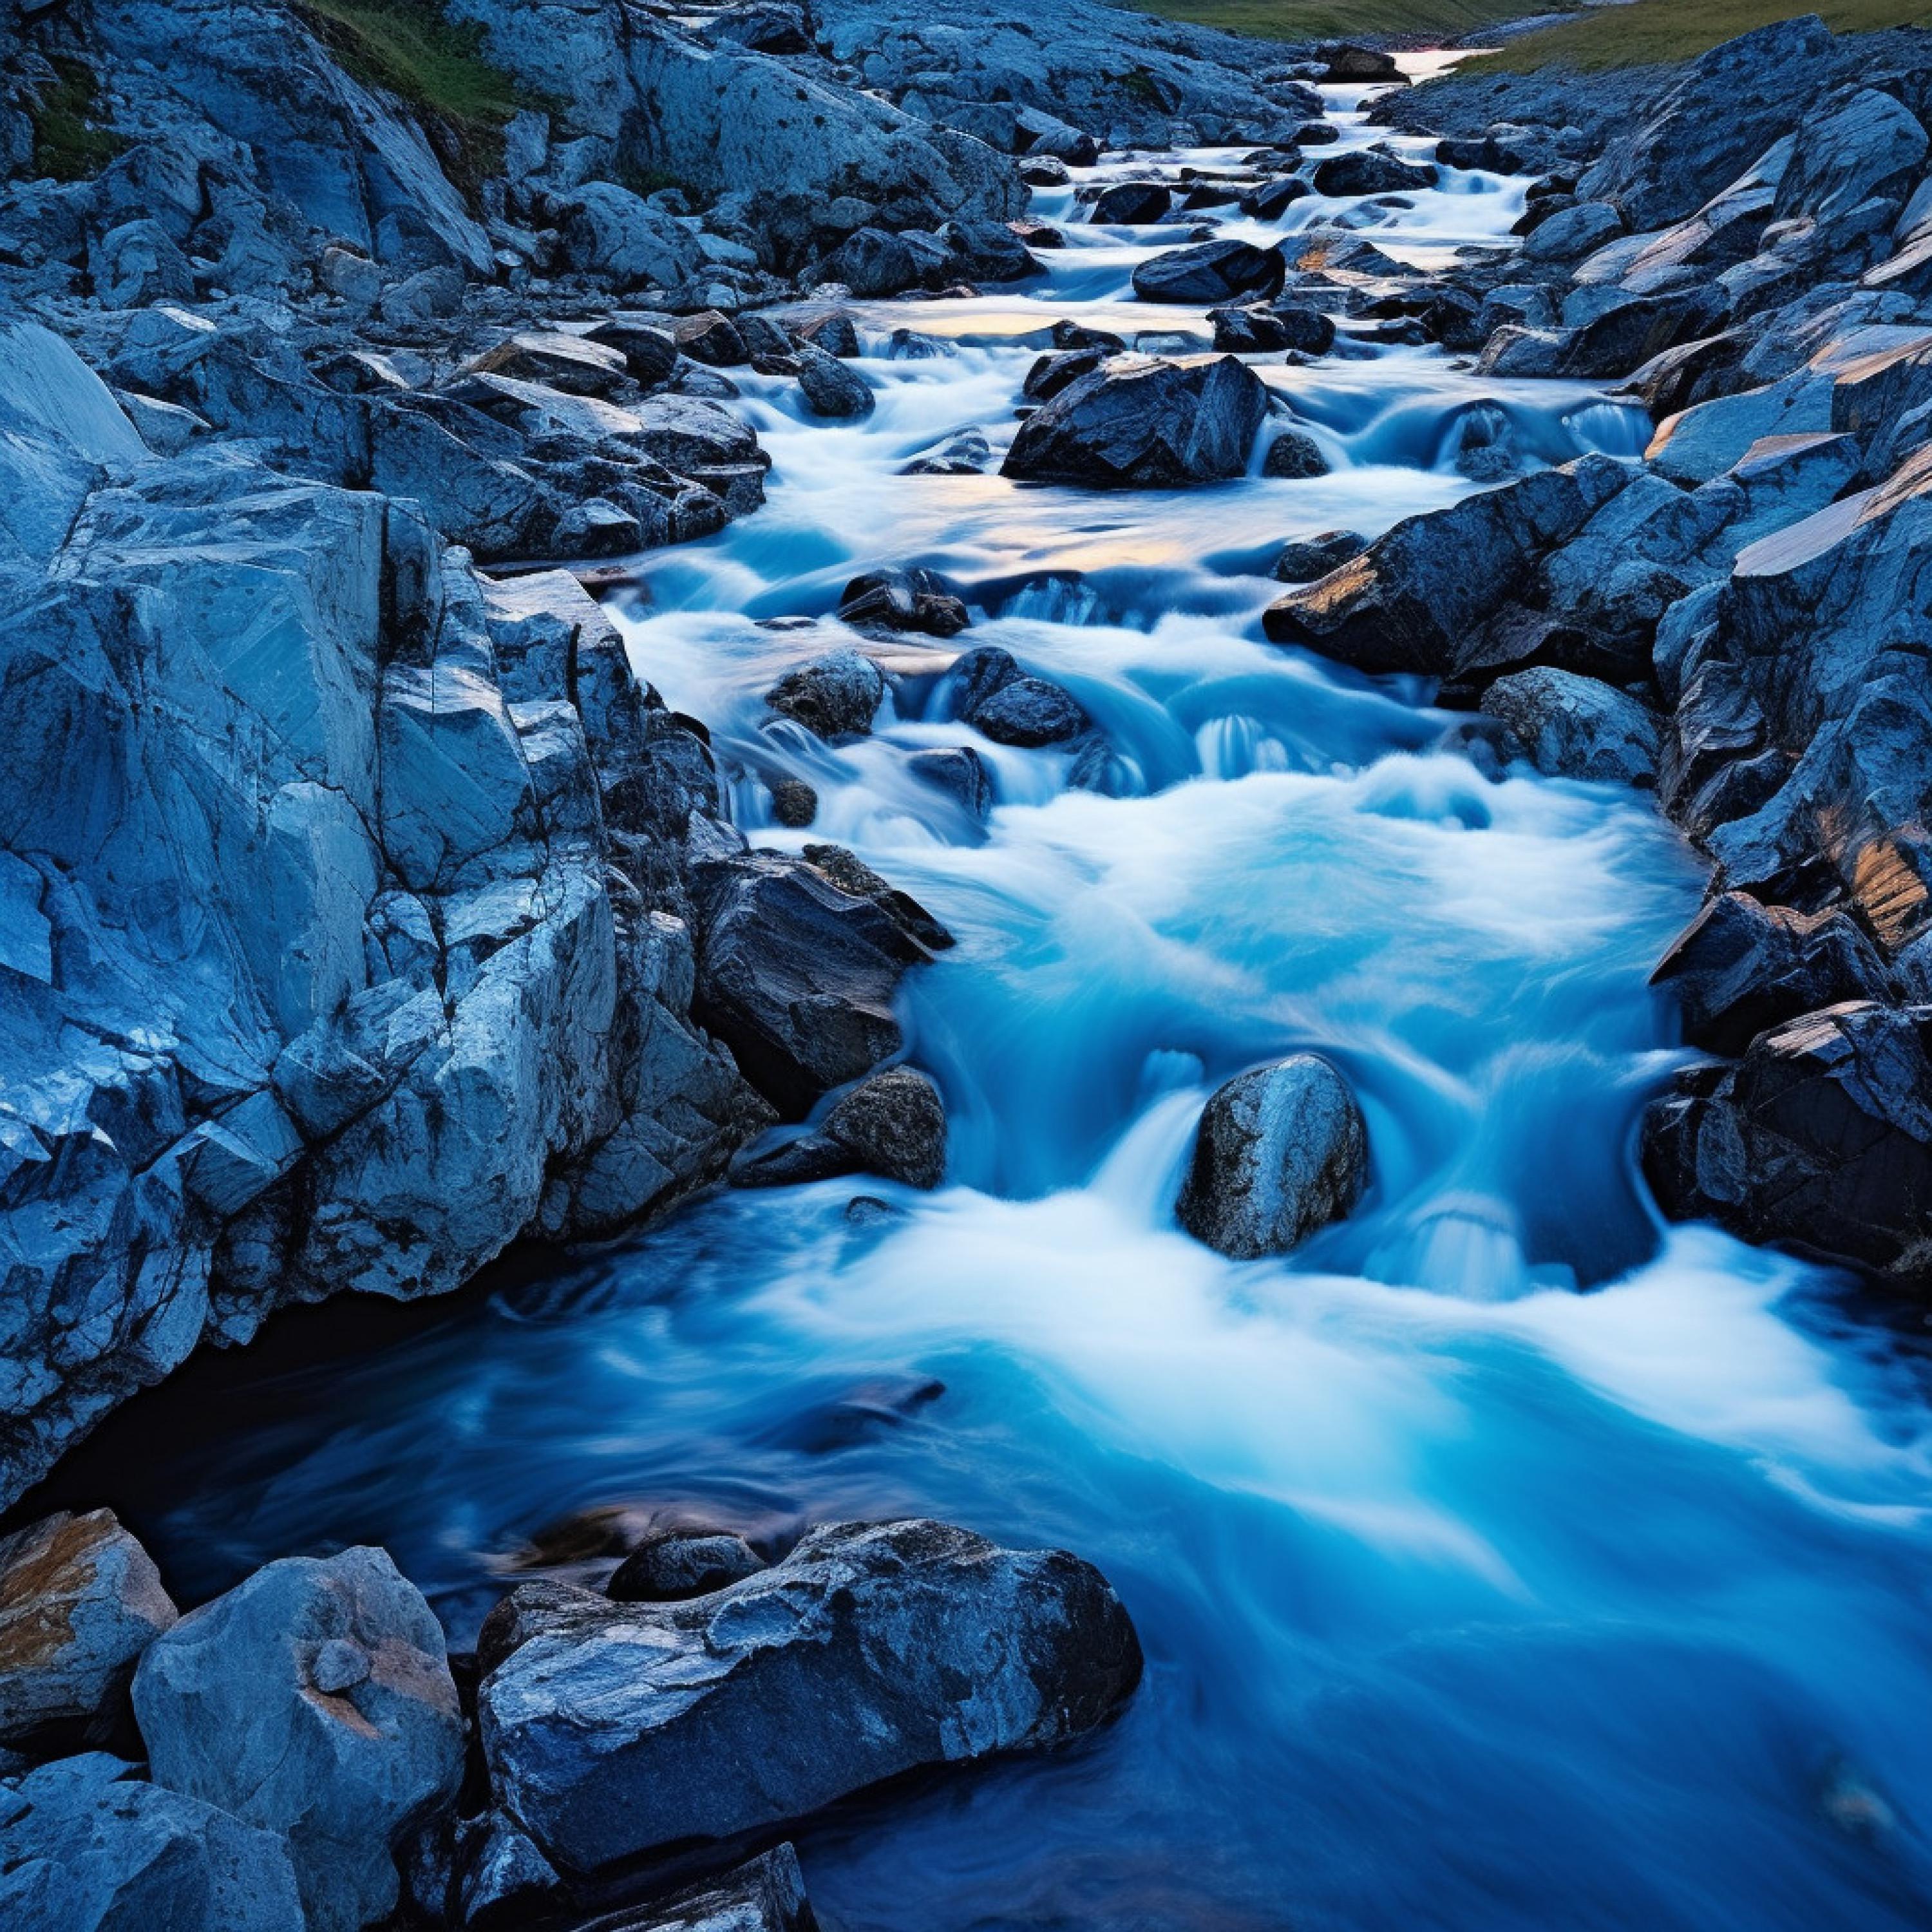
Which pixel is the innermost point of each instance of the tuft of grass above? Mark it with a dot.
(1414, 22)
(1649, 32)
(435, 64)
(69, 144)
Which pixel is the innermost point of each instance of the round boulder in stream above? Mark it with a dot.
(1282, 1151)
(874, 1649)
(1210, 272)
(1140, 423)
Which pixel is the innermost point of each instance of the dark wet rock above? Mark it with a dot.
(908, 345)
(892, 1125)
(1872, 147)
(709, 337)
(80, 1599)
(1132, 204)
(1259, 330)
(1571, 233)
(851, 873)
(1820, 1137)
(832, 330)
(1294, 453)
(315, 1700)
(959, 771)
(987, 251)
(1484, 152)
(574, 363)
(766, 1895)
(1307, 558)
(871, 263)
(499, 1881)
(910, 600)
(1346, 61)
(1053, 372)
(1282, 1151)
(995, 697)
(1272, 200)
(1137, 422)
(831, 387)
(1210, 272)
(1367, 171)
(1416, 598)
(1742, 967)
(86, 1845)
(797, 976)
(794, 803)
(1044, 171)
(650, 353)
(836, 696)
(677, 1564)
(1079, 335)
(872, 1650)
(1577, 727)
(965, 453)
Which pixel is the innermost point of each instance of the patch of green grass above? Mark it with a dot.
(1647, 31)
(1417, 22)
(69, 144)
(435, 64)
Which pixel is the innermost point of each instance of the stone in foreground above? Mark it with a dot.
(80, 1599)
(872, 1650)
(1820, 1137)
(1577, 727)
(1282, 1151)
(87, 1846)
(313, 1699)
(1138, 423)
(766, 1895)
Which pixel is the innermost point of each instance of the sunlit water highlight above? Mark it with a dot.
(1470, 1601)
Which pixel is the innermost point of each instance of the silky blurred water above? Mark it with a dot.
(1503, 1559)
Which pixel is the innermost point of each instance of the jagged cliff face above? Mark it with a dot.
(345, 914)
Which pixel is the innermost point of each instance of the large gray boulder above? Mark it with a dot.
(1137, 422)
(872, 1650)
(80, 1599)
(1871, 146)
(86, 1845)
(1820, 1137)
(1281, 1150)
(1577, 727)
(314, 1700)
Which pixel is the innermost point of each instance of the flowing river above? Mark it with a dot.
(1504, 1558)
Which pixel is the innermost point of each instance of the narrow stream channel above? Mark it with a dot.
(1472, 1601)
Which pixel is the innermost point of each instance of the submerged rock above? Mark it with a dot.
(993, 694)
(893, 599)
(314, 1700)
(1282, 1151)
(766, 1895)
(86, 1845)
(872, 1650)
(80, 1599)
(836, 696)
(1138, 423)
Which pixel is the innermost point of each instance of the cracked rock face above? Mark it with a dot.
(313, 1700)
(872, 1650)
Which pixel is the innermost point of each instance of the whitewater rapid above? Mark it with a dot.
(1504, 1558)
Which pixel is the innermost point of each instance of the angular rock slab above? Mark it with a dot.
(766, 1895)
(80, 1599)
(313, 1699)
(872, 1650)
(86, 1845)
(1282, 1151)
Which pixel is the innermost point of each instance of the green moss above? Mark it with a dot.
(1647, 31)
(69, 144)
(435, 64)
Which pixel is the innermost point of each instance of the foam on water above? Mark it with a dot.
(1470, 1601)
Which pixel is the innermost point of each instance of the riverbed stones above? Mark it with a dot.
(87, 1845)
(836, 696)
(1369, 171)
(674, 1564)
(1132, 204)
(1819, 1137)
(1305, 558)
(1011, 707)
(1282, 1151)
(80, 1599)
(313, 1700)
(766, 1895)
(1210, 272)
(893, 599)
(872, 1650)
(832, 388)
(960, 773)
(1140, 422)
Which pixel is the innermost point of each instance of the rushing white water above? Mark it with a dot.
(1470, 1601)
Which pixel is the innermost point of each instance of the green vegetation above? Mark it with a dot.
(435, 64)
(1418, 23)
(68, 143)
(1648, 31)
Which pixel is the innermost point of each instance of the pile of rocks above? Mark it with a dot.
(314, 1758)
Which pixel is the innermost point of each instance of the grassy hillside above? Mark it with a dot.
(1418, 21)
(1649, 31)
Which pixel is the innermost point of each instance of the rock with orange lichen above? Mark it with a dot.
(80, 1599)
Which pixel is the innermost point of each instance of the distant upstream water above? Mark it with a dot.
(1472, 1603)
